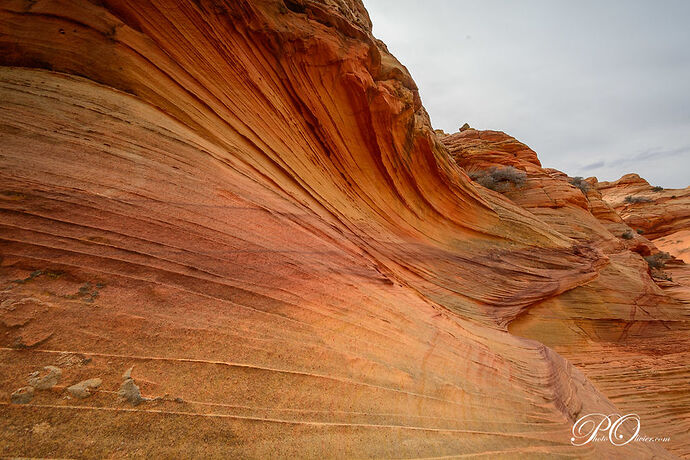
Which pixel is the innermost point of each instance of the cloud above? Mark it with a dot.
(591, 166)
(659, 154)
(591, 86)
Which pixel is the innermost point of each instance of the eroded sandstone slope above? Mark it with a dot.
(662, 215)
(627, 329)
(245, 201)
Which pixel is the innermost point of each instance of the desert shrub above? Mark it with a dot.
(499, 179)
(658, 260)
(639, 231)
(628, 235)
(657, 188)
(637, 199)
(580, 183)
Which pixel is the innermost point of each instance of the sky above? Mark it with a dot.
(596, 88)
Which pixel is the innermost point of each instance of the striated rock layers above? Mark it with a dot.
(627, 331)
(246, 201)
(662, 215)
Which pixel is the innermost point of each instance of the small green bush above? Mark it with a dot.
(637, 199)
(658, 260)
(580, 183)
(639, 231)
(499, 179)
(657, 188)
(628, 235)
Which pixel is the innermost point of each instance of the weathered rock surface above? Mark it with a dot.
(573, 208)
(83, 389)
(282, 242)
(46, 379)
(677, 244)
(654, 211)
(23, 395)
(619, 322)
(129, 391)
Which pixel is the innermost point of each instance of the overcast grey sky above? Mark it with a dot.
(595, 87)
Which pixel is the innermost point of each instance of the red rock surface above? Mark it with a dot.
(657, 213)
(547, 193)
(246, 202)
(616, 327)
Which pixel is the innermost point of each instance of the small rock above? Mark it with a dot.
(464, 127)
(129, 391)
(47, 381)
(22, 395)
(82, 389)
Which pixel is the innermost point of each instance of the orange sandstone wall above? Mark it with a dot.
(245, 201)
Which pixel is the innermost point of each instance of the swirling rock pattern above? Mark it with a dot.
(662, 215)
(246, 201)
(627, 333)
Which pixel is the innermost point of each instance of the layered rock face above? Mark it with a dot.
(662, 215)
(546, 193)
(628, 331)
(245, 201)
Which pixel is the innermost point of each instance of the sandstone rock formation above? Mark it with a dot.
(623, 320)
(576, 211)
(247, 200)
(661, 215)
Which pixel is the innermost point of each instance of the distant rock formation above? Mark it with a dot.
(596, 317)
(661, 215)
